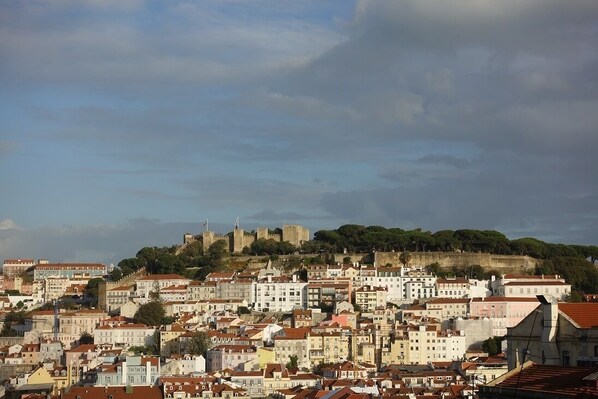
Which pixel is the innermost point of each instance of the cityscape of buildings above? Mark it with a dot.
(322, 330)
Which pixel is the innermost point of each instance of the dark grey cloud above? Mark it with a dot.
(518, 195)
(282, 217)
(410, 113)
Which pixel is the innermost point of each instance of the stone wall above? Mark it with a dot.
(239, 239)
(104, 286)
(448, 259)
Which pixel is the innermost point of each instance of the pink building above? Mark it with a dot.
(505, 312)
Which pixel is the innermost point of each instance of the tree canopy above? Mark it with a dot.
(199, 343)
(150, 313)
(362, 239)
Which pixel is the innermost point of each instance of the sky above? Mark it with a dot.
(126, 124)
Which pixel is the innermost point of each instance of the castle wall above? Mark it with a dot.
(449, 259)
(104, 286)
(262, 233)
(295, 234)
(240, 239)
(209, 237)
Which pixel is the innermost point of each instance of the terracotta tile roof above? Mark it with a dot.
(154, 277)
(42, 313)
(456, 280)
(528, 276)
(540, 282)
(257, 373)
(124, 326)
(196, 283)
(83, 348)
(272, 368)
(70, 266)
(585, 314)
(234, 348)
(281, 279)
(440, 301)
(565, 381)
(137, 392)
(504, 299)
(228, 275)
(18, 261)
(189, 380)
(123, 288)
(294, 333)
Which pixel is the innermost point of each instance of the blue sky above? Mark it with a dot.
(126, 124)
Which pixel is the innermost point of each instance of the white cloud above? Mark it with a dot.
(7, 224)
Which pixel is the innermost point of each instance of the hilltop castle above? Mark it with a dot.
(239, 238)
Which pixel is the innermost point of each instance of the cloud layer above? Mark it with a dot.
(403, 113)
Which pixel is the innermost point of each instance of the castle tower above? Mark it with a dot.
(295, 234)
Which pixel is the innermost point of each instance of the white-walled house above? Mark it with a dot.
(279, 294)
(125, 335)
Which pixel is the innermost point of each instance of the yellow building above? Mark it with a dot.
(363, 347)
(328, 347)
(169, 339)
(58, 376)
(265, 356)
(369, 298)
(396, 351)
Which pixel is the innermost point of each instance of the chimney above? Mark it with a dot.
(124, 372)
(148, 373)
(550, 316)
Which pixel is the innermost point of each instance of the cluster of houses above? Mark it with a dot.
(340, 331)
(37, 282)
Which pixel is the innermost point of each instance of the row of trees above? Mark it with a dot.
(358, 238)
(269, 247)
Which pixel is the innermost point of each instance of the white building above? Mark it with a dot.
(125, 335)
(184, 365)
(158, 282)
(418, 285)
(279, 294)
(427, 344)
(369, 298)
(513, 285)
(452, 287)
(390, 278)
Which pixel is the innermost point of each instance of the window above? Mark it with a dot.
(566, 358)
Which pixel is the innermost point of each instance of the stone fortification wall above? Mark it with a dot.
(104, 286)
(449, 259)
(240, 238)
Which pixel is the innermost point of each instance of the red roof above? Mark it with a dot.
(585, 314)
(137, 392)
(565, 381)
(70, 266)
(449, 300)
(504, 299)
(18, 261)
(539, 282)
(153, 277)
